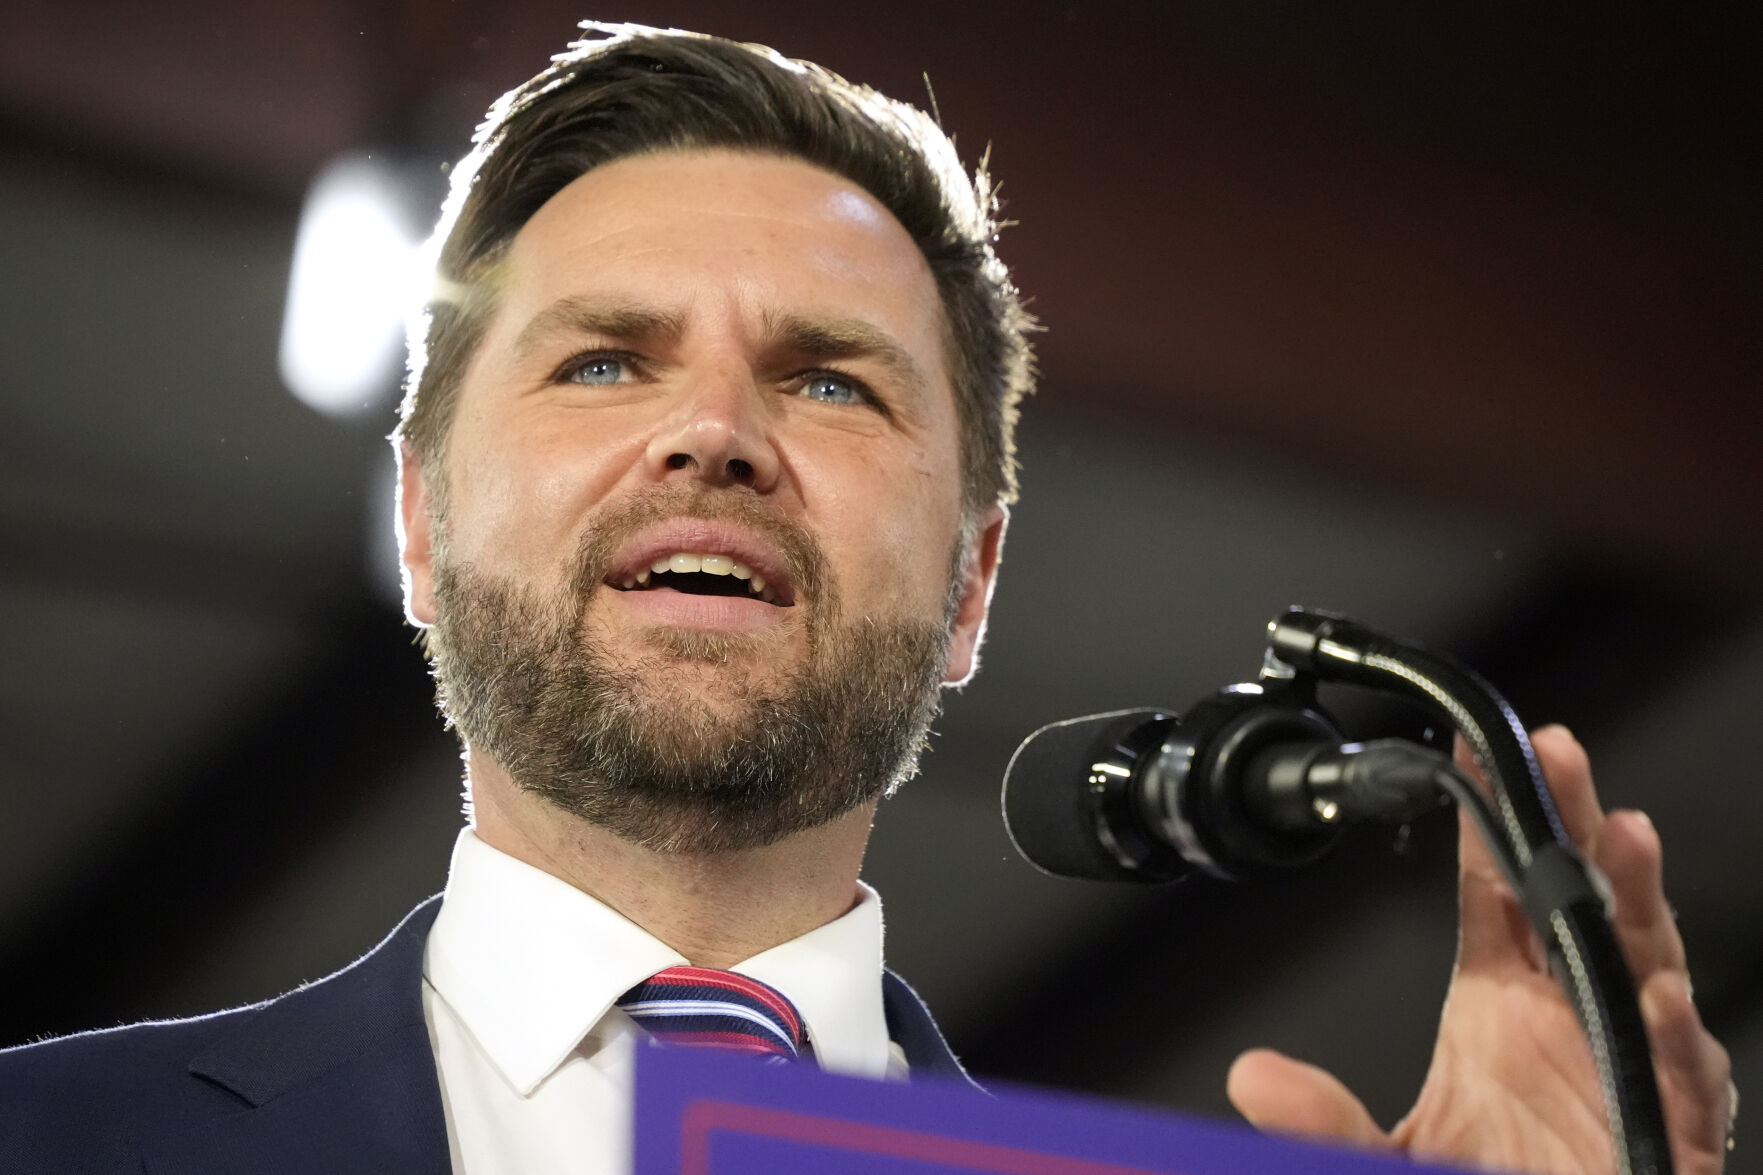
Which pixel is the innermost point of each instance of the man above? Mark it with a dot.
(704, 477)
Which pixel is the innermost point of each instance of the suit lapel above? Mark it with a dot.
(911, 1026)
(337, 1076)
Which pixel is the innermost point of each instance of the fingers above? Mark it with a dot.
(1569, 774)
(1630, 856)
(1281, 1095)
(1493, 935)
(1694, 1071)
(1625, 848)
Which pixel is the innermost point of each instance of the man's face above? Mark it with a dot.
(729, 366)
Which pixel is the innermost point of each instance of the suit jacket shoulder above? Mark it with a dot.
(335, 1076)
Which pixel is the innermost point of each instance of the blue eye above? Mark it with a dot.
(832, 389)
(599, 370)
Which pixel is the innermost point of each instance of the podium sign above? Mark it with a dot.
(701, 1113)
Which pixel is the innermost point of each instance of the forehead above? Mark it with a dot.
(714, 230)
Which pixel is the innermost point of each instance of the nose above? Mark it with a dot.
(719, 434)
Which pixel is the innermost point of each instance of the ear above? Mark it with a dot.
(416, 526)
(976, 597)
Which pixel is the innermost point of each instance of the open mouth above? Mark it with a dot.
(701, 574)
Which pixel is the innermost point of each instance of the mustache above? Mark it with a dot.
(617, 524)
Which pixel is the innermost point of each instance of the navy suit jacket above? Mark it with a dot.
(335, 1077)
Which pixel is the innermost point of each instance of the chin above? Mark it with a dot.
(696, 646)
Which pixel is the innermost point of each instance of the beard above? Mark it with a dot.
(686, 746)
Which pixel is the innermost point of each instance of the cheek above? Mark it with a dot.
(523, 501)
(890, 533)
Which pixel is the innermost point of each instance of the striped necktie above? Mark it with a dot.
(716, 1009)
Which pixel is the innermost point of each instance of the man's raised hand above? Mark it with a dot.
(1512, 1085)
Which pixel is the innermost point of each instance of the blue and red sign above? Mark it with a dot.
(699, 1113)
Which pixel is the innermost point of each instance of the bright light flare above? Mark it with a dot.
(355, 276)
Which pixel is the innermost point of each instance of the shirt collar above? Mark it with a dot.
(833, 976)
(531, 964)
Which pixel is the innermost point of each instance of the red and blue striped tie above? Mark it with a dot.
(707, 1008)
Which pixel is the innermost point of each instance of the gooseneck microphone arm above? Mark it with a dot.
(1561, 895)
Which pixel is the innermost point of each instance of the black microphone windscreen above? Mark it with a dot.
(1048, 809)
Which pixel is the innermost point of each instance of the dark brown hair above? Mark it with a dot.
(633, 90)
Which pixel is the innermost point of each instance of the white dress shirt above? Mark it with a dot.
(520, 976)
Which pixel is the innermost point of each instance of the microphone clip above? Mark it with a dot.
(1203, 789)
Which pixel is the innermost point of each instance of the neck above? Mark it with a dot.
(716, 909)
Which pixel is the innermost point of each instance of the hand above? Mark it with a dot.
(1511, 1085)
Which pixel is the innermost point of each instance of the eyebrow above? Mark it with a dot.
(845, 338)
(637, 325)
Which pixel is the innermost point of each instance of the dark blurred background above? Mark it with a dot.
(1446, 317)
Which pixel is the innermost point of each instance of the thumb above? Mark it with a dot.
(1283, 1096)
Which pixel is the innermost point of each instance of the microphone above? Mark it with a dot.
(1251, 781)
(1255, 778)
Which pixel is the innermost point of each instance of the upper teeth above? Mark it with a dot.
(684, 562)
